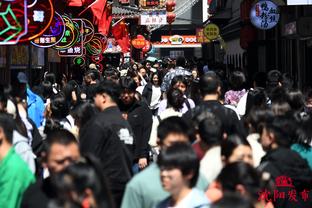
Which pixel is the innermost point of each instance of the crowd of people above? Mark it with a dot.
(156, 135)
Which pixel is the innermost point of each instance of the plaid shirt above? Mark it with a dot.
(179, 71)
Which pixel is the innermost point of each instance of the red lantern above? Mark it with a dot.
(138, 42)
(147, 47)
(170, 5)
(171, 17)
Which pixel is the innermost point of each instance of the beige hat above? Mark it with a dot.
(92, 66)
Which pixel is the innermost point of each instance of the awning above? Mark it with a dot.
(125, 12)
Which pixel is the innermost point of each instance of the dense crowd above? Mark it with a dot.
(157, 134)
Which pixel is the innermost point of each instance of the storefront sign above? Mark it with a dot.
(40, 16)
(264, 15)
(21, 21)
(71, 35)
(77, 48)
(153, 18)
(201, 38)
(152, 4)
(179, 39)
(211, 31)
(53, 35)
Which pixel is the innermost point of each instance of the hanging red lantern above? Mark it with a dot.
(171, 17)
(170, 5)
(138, 42)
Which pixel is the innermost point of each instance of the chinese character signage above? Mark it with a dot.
(153, 18)
(201, 38)
(211, 31)
(53, 35)
(77, 48)
(177, 40)
(79, 61)
(149, 4)
(71, 35)
(21, 21)
(264, 15)
(40, 16)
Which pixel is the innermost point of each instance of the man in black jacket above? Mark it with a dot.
(140, 119)
(210, 88)
(106, 136)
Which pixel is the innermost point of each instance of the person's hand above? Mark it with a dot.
(142, 163)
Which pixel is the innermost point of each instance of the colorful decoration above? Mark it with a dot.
(211, 31)
(13, 21)
(88, 32)
(71, 35)
(80, 61)
(40, 16)
(77, 48)
(97, 45)
(264, 15)
(53, 35)
(98, 62)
